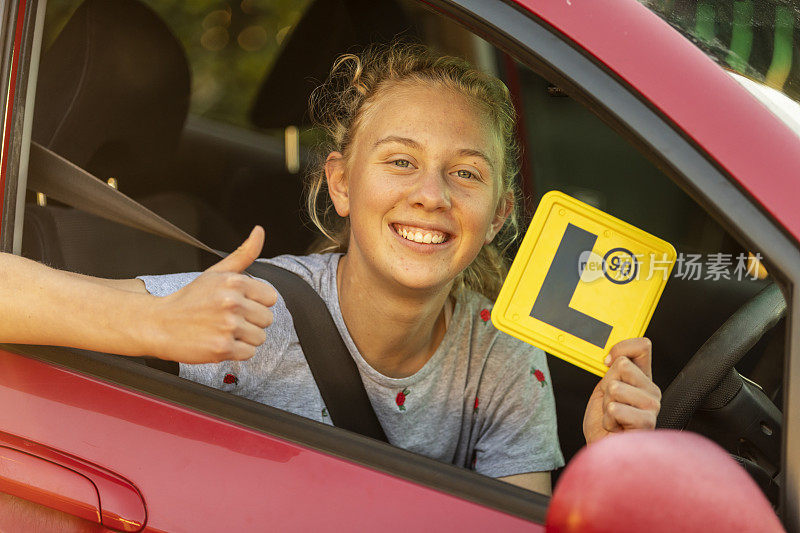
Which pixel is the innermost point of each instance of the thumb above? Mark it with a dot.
(639, 350)
(244, 255)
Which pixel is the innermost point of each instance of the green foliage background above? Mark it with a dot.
(230, 46)
(757, 38)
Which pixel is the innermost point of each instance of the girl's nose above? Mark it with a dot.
(431, 191)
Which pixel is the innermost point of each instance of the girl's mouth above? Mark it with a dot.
(420, 235)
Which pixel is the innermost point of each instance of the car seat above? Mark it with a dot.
(112, 97)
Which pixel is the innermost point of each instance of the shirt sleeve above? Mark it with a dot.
(208, 374)
(244, 378)
(517, 429)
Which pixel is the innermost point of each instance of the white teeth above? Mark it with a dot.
(418, 236)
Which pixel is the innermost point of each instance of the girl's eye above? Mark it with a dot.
(465, 174)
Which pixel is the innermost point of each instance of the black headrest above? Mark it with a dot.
(113, 90)
(328, 28)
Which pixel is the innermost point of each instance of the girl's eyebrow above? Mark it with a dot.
(476, 153)
(411, 143)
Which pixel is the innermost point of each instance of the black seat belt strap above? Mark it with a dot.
(331, 363)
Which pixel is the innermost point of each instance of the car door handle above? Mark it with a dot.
(69, 484)
(49, 484)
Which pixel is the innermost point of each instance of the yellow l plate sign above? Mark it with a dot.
(581, 282)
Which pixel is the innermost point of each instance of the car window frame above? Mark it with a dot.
(689, 166)
(21, 37)
(535, 43)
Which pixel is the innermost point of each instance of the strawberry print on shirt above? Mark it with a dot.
(400, 400)
(539, 375)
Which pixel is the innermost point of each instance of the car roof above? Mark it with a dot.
(735, 129)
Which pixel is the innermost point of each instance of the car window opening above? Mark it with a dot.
(238, 159)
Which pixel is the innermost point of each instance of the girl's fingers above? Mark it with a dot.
(623, 369)
(242, 257)
(610, 423)
(250, 288)
(638, 350)
(241, 351)
(250, 334)
(256, 313)
(620, 392)
(622, 416)
(259, 291)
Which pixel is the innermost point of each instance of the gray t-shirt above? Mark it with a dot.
(483, 401)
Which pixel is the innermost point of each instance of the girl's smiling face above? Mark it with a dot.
(421, 185)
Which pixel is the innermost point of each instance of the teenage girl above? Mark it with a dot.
(416, 204)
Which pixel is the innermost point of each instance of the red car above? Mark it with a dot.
(619, 106)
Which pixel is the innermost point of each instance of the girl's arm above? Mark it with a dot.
(535, 481)
(41, 305)
(220, 315)
(132, 285)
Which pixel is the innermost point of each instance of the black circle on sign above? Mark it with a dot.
(634, 270)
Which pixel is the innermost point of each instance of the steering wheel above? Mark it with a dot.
(709, 380)
(711, 367)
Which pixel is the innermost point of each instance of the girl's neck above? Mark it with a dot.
(395, 330)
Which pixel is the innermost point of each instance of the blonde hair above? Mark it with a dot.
(337, 107)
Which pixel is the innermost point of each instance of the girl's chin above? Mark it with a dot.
(408, 271)
(425, 281)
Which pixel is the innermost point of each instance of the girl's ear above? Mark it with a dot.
(337, 183)
(504, 208)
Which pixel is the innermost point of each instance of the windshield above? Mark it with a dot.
(758, 39)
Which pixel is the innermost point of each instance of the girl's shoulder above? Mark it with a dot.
(316, 269)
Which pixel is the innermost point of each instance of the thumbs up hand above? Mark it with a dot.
(221, 314)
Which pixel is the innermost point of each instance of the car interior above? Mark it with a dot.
(136, 92)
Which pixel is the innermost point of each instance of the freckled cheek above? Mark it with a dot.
(378, 194)
(371, 201)
(476, 216)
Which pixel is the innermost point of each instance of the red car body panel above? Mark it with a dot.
(752, 145)
(50, 477)
(200, 473)
(46, 483)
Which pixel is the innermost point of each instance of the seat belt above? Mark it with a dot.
(331, 363)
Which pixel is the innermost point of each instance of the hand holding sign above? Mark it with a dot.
(583, 280)
(626, 398)
(221, 314)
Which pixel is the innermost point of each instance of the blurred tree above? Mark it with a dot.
(230, 46)
(757, 38)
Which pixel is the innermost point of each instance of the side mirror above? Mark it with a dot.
(654, 481)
